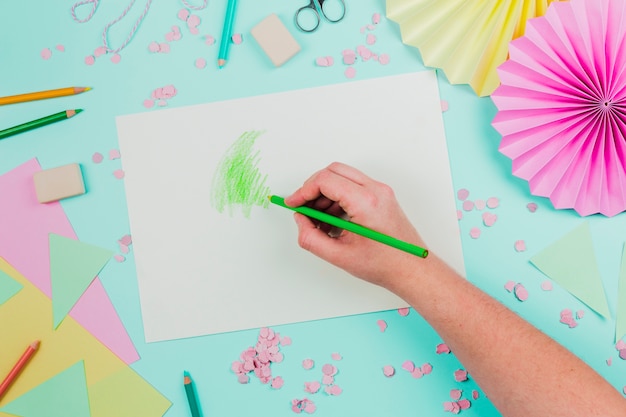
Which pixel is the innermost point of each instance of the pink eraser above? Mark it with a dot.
(275, 40)
(57, 183)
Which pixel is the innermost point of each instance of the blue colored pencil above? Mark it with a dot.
(190, 390)
(227, 32)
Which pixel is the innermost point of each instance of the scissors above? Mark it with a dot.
(308, 17)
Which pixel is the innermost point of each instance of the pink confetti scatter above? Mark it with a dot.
(237, 38)
(493, 202)
(462, 194)
(456, 394)
(609, 361)
(370, 39)
(417, 373)
(119, 258)
(333, 390)
(444, 105)
(376, 18)
(464, 404)
(312, 387)
(521, 293)
(183, 14)
(489, 219)
(148, 104)
(200, 63)
(509, 286)
(303, 405)
(243, 379)
(277, 383)
(258, 359)
(474, 232)
(126, 240)
(60, 48)
(46, 53)
(192, 24)
(620, 345)
(174, 34)
(382, 325)
(118, 173)
(404, 311)
(116, 58)
(460, 375)
(336, 356)
(520, 245)
(153, 47)
(114, 154)
(209, 40)
(580, 314)
(459, 215)
(90, 60)
(475, 394)
(532, 207)
(99, 51)
(468, 205)
(349, 56)
(285, 341)
(408, 366)
(364, 52)
(97, 158)
(480, 204)
(384, 59)
(350, 72)
(308, 364)
(442, 348)
(324, 61)
(426, 368)
(546, 285)
(567, 317)
(389, 371)
(622, 354)
(329, 369)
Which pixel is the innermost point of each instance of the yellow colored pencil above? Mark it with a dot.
(41, 95)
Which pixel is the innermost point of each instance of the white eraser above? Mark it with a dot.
(57, 183)
(275, 40)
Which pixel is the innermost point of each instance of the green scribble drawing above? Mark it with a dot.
(237, 181)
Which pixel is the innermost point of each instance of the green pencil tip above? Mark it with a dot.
(186, 373)
(78, 110)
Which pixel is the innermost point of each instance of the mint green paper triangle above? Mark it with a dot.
(620, 321)
(65, 394)
(571, 262)
(73, 266)
(8, 287)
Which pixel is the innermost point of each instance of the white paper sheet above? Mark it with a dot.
(204, 272)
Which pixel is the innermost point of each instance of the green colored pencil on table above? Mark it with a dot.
(353, 227)
(33, 124)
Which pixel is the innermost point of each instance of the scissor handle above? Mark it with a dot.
(343, 11)
(309, 8)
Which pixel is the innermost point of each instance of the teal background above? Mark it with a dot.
(100, 216)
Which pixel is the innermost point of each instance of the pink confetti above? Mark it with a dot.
(324, 61)
(183, 14)
(328, 379)
(306, 405)
(349, 56)
(609, 361)
(404, 311)
(459, 215)
(308, 364)
(60, 48)
(475, 394)
(46, 53)
(209, 40)
(350, 72)
(389, 371)
(336, 356)
(620, 345)
(460, 375)
(509, 286)
(384, 59)
(153, 47)
(285, 341)
(442, 348)
(99, 51)
(97, 158)
(90, 60)
(364, 53)
(456, 394)
(521, 293)
(546, 285)
(480, 204)
(125, 240)
(119, 258)
(200, 63)
(114, 154)
(243, 378)
(468, 205)
(520, 245)
(376, 18)
(382, 325)
(580, 314)
(333, 390)
(417, 373)
(426, 368)
(444, 105)
(493, 202)
(312, 387)
(116, 58)
(408, 366)
(489, 219)
(464, 404)
(532, 207)
(329, 369)
(237, 38)
(474, 232)
(277, 383)
(148, 104)
(622, 354)
(118, 173)
(462, 194)
(370, 39)
(567, 317)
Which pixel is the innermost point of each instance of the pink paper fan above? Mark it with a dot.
(562, 106)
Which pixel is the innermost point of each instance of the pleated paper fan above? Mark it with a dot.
(562, 106)
(467, 39)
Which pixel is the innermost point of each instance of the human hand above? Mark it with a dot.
(344, 191)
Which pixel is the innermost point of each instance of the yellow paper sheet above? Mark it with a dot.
(26, 317)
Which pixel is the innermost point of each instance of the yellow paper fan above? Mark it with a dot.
(467, 39)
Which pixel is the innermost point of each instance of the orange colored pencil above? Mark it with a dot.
(18, 367)
(41, 95)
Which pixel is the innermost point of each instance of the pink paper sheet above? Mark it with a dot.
(24, 228)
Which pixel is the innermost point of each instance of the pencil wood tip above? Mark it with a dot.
(221, 63)
(35, 345)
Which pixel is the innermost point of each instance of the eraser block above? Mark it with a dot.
(57, 183)
(275, 40)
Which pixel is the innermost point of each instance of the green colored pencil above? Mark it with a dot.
(192, 399)
(66, 114)
(353, 227)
